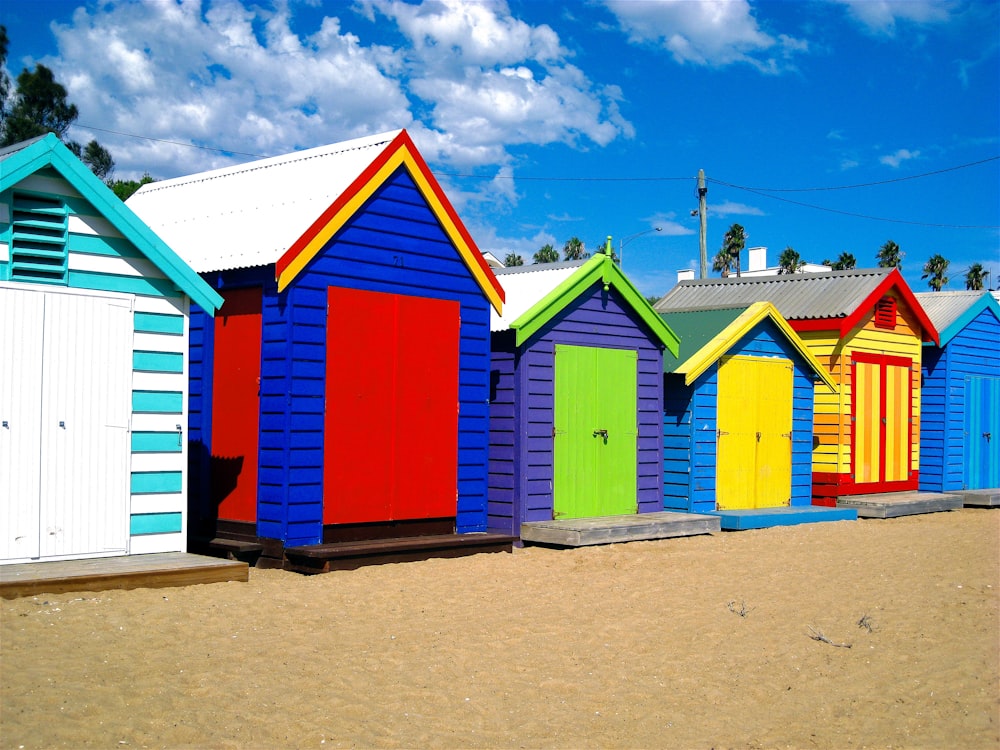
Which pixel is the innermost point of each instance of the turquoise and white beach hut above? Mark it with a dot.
(93, 367)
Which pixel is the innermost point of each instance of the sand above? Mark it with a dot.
(704, 642)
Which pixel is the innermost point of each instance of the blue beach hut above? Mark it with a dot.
(960, 409)
(738, 418)
(94, 327)
(575, 395)
(339, 399)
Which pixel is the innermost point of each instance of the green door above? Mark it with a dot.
(595, 432)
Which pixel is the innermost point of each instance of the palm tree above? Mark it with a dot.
(890, 256)
(733, 242)
(935, 269)
(546, 254)
(513, 259)
(789, 261)
(975, 277)
(574, 249)
(845, 262)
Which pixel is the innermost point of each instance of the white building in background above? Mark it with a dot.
(757, 266)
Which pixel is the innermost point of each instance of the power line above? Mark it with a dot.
(172, 143)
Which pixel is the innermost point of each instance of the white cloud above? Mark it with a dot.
(882, 16)
(897, 158)
(731, 208)
(708, 32)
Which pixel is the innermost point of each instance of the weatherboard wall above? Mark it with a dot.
(392, 244)
(100, 259)
(522, 406)
(832, 456)
(972, 352)
(690, 423)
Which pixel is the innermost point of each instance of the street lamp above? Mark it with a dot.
(625, 240)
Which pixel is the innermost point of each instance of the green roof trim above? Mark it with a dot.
(49, 151)
(600, 268)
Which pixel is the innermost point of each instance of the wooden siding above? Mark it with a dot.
(974, 351)
(690, 421)
(595, 319)
(100, 259)
(832, 410)
(393, 244)
(504, 426)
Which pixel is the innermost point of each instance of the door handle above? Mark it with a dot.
(602, 433)
(986, 435)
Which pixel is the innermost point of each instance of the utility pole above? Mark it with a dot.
(703, 219)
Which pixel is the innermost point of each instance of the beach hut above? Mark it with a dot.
(341, 395)
(93, 373)
(738, 418)
(866, 328)
(960, 409)
(575, 396)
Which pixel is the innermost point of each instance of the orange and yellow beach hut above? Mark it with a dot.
(866, 328)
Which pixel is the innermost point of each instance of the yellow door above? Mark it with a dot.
(866, 424)
(754, 462)
(897, 423)
(881, 402)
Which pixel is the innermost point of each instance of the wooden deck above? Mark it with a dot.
(348, 555)
(980, 498)
(765, 518)
(125, 572)
(582, 532)
(895, 504)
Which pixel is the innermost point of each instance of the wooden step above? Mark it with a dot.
(322, 558)
(230, 549)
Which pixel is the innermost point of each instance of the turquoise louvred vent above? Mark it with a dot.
(38, 246)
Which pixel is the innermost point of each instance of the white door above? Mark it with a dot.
(78, 361)
(21, 318)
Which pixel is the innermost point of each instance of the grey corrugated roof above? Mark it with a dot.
(944, 308)
(14, 148)
(524, 286)
(832, 294)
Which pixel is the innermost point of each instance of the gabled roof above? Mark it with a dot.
(708, 333)
(22, 160)
(541, 294)
(950, 312)
(834, 300)
(284, 209)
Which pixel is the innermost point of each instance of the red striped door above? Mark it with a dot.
(236, 405)
(391, 424)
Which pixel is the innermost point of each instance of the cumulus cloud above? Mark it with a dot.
(709, 32)
(895, 159)
(882, 16)
(467, 80)
(731, 208)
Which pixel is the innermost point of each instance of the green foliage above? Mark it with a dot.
(789, 261)
(653, 299)
(934, 272)
(975, 277)
(4, 78)
(890, 256)
(728, 257)
(546, 254)
(513, 259)
(125, 188)
(574, 249)
(845, 262)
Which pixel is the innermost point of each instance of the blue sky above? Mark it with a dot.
(827, 126)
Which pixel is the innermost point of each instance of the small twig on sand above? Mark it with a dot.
(742, 610)
(866, 623)
(817, 635)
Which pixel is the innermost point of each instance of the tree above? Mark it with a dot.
(513, 259)
(653, 299)
(975, 277)
(574, 249)
(125, 188)
(728, 256)
(934, 270)
(546, 254)
(890, 256)
(789, 261)
(845, 262)
(39, 106)
(4, 78)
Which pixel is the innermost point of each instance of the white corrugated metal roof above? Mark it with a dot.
(944, 308)
(250, 214)
(834, 294)
(526, 285)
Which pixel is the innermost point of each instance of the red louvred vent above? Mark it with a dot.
(885, 313)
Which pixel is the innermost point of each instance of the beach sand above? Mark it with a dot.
(702, 642)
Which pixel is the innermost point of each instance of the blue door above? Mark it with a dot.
(982, 433)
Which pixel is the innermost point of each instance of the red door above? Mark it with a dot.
(236, 405)
(391, 424)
